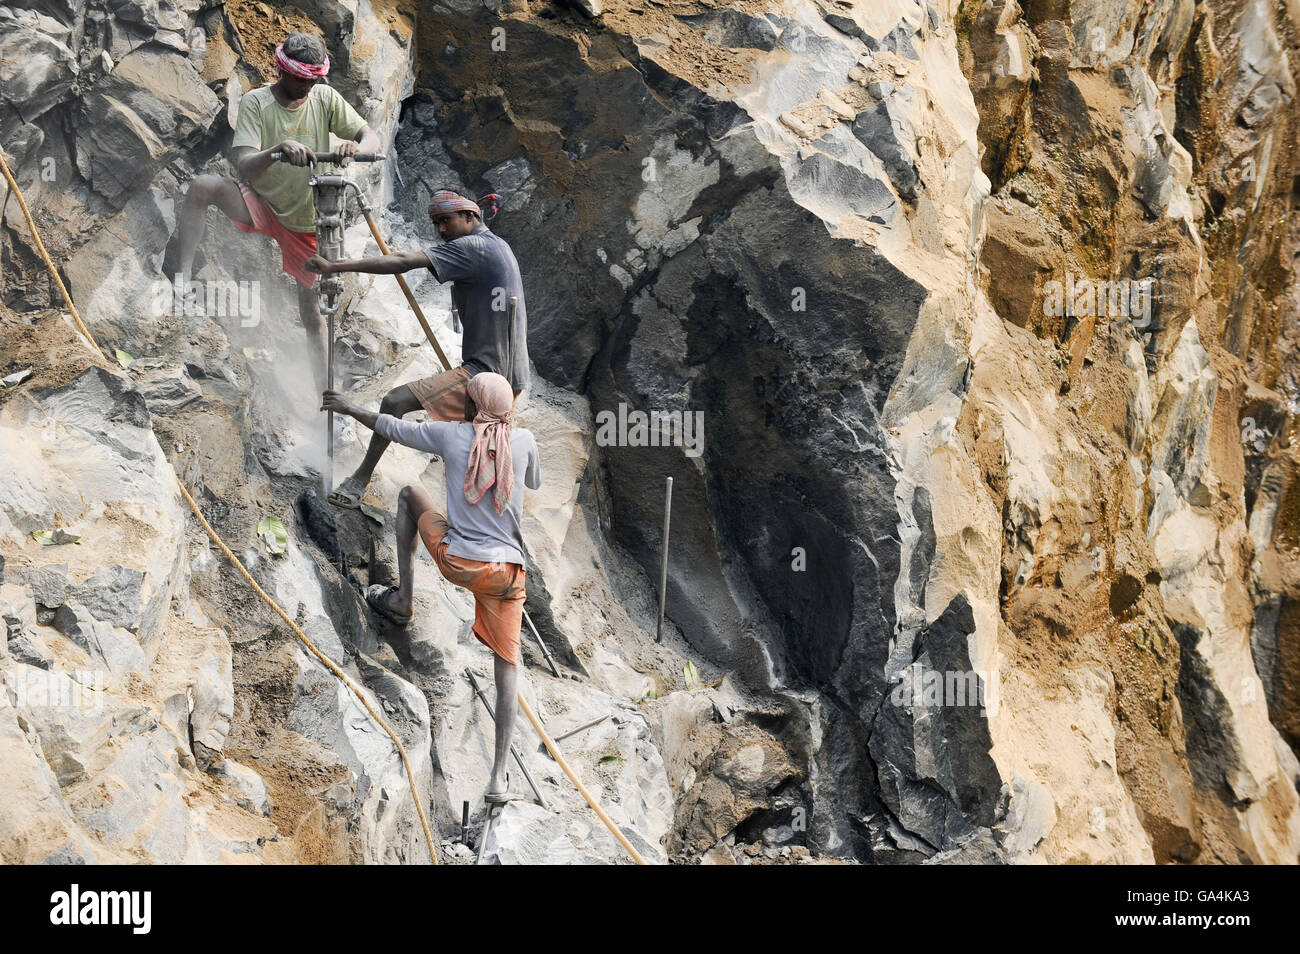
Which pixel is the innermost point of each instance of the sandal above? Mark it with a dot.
(377, 599)
(500, 798)
(348, 495)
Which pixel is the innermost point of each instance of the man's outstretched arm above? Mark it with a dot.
(423, 436)
(333, 401)
(379, 265)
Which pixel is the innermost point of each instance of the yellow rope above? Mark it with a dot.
(325, 661)
(555, 753)
(40, 247)
(401, 750)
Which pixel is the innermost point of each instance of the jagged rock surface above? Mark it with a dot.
(829, 227)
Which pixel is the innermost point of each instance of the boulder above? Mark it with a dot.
(734, 29)
(250, 790)
(151, 106)
(37, 67)
(24, 646)
(85, 451)
(110, 646)
(37, 826)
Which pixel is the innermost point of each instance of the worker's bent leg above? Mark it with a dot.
(412, 503)
(507, 680)
(317, 336)
(203, 192)
(397, 403)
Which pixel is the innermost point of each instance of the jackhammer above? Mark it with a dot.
(330, 191)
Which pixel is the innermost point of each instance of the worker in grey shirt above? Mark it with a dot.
(485, 278)
(479, 544)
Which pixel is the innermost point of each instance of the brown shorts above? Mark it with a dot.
(445, 396)
(499, 589)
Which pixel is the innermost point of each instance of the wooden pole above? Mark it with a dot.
(410, 299)
(600, 813)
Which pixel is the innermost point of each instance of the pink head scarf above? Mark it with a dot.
(301, 70)
(490, 462)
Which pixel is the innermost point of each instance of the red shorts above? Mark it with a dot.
(295, 247)
(499, 588)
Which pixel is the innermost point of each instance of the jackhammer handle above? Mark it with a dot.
(359, 157)
(334, 156)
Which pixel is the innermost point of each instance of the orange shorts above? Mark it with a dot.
(445, 396)
(499, 589)
(295, 247)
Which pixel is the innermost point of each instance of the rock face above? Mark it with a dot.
(974, 329)
(827, 243)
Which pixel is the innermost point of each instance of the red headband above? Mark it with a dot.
(301, 70)
(444, 201)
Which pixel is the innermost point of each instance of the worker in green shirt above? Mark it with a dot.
(293, 116)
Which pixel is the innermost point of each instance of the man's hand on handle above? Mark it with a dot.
(336, 402)
(345, 151)
(317, 265)
(295, 153)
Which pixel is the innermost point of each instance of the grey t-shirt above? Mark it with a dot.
(484, 276)
(477, 532)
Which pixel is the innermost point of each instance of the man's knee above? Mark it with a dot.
(399, 401)
(205, 189)
(413, 500)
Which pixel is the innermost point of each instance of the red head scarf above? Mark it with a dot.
(444, 201)
(301, 70)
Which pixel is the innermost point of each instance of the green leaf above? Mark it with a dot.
(54, 538)
(123, 358)
(692, 675)
(374, 513)
(273, 534)
(148, 364)
(608, 758)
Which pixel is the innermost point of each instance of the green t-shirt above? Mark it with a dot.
(264, 123)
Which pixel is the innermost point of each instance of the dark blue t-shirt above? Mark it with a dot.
(484, 276)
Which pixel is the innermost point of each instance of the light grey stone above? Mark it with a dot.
(110, 645)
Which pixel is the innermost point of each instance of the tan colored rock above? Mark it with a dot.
(836, 105)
